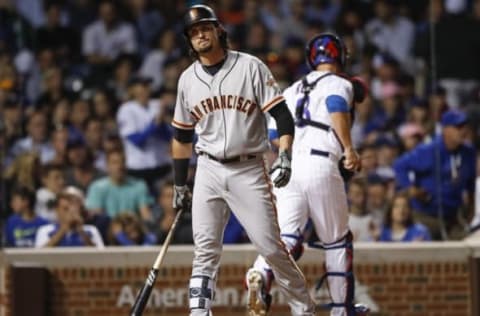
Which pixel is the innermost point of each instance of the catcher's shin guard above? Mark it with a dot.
(294, 244)
(339, 273)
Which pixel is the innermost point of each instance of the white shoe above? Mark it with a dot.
(258, 300)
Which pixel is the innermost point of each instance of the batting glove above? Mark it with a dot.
(283, 164)
(182, 198)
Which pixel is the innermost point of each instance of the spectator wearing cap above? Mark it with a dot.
(145, 133)
(410, 134)
(387, 151)
(22, 225)
(69, 229)
(437, 175)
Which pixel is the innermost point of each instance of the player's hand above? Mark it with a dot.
(352, 160)
(283, 165)
(182, 198)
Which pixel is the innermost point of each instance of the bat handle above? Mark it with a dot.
(144, 295)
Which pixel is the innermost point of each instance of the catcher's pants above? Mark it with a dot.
(317, 191)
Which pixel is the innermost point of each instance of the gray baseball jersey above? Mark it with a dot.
(227, 112)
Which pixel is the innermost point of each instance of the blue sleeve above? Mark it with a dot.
(165, 132)
(123, 239)
(385, 234)
(336, 103)
(140, 138)
(272, 134)
(233, 231)
(150, 239)
(472, 174)
(413, 161)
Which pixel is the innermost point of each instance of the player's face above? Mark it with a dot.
(204, 37)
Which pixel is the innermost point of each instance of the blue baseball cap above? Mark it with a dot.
(453, 118)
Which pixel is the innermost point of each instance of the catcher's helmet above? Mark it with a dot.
(197, 14)
(326, 48)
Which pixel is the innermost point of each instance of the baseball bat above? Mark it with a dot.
(142, 297)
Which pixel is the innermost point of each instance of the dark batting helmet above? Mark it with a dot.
(326, 48)
(197, 14)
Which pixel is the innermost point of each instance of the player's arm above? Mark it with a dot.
(181, 153)
(285, 126)
(182, 145)
(338, 107)
(286, 130)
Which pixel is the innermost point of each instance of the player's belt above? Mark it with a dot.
(231, 159)
(319, 153)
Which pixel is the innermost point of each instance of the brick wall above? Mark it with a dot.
(401, 287)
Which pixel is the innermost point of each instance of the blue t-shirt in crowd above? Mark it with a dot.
(21, 233)
(122, 238)
(414, 232)
(457, 175)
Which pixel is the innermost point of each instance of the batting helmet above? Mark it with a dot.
(326, 48)
(197, 14)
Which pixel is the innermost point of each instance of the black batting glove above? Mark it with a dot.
(283, 164)
(182, 198)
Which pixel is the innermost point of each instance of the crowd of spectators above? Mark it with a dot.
(87, 90)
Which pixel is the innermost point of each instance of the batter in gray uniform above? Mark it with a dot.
(223, 97)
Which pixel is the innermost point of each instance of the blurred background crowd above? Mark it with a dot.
(82, 165)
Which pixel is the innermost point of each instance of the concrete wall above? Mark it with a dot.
(394, 279)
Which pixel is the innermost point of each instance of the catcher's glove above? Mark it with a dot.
(344, 172)
(360, 90)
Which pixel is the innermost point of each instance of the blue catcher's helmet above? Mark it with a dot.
(326, 48)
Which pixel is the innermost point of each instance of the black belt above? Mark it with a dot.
(231, 159)
(319, 153)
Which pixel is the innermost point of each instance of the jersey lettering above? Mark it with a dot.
(233, 102)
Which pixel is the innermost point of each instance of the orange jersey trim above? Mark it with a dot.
(181, 125)
(272, 103)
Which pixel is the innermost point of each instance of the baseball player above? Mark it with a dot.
(223, 96)
(322, 103)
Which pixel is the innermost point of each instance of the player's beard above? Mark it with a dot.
(205, 49)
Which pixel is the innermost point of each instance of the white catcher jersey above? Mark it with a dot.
(310, 137)
(227, 109)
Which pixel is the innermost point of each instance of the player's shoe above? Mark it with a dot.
(258, 300)
(361, 309)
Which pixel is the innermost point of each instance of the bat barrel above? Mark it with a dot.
(144, 294)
